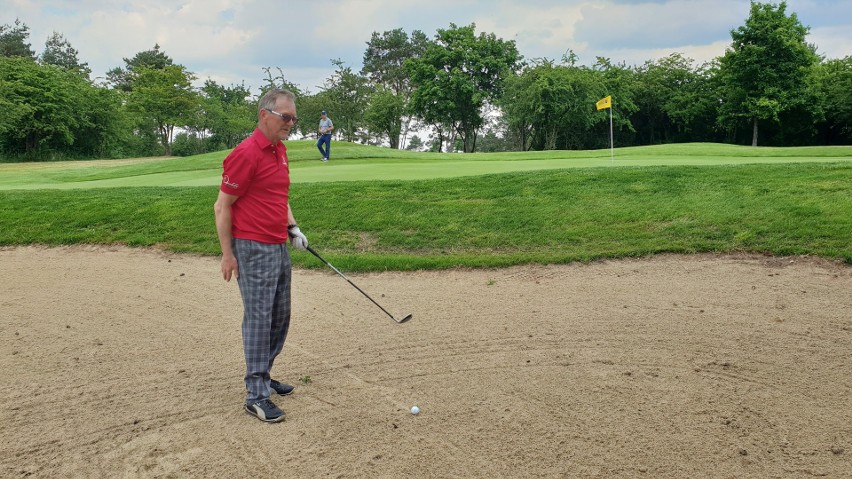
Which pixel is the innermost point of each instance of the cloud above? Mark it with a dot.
(541, 31)
(822, 13)
(638, 56)
(832, 42)
(231, 41)
(830, 25)
(659, 25)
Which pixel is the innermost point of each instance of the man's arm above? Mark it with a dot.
(222, 209)
(291, 220)
(297, 238)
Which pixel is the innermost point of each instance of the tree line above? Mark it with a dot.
(470, 91)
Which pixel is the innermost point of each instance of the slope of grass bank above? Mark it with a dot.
(485, 221)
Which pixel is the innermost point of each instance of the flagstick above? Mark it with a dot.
(611, 146)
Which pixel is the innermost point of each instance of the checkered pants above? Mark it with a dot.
(264, 280)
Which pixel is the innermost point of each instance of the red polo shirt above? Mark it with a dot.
(258, 172)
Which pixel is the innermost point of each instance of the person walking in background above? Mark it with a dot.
(325, 129)
(254, 222)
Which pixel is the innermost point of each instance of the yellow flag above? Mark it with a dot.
(604, 103)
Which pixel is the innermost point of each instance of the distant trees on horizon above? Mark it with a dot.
(468, 91)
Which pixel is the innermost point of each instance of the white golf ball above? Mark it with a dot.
(415, 410)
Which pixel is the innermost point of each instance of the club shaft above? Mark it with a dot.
(350, 282)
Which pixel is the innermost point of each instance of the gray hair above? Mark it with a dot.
(270, 99)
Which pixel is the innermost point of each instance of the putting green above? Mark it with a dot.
(49, 176)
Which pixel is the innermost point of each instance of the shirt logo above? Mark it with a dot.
(284, 160)
(227, 181)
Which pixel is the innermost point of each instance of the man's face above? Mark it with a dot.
(275, 126)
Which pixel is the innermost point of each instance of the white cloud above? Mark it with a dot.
(232, 40)
(650, 25)
(346, 23)
(638, 56)
(832, 42)
(539, 31)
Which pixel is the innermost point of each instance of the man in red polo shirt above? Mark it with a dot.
(254, 221)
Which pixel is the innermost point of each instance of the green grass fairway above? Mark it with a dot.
(364, 163)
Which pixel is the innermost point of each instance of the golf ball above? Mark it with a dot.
(415, 410)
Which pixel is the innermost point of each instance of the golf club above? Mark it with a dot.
(398, 321)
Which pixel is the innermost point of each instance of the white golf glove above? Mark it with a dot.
(297, 239)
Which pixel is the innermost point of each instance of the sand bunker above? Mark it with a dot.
(119, 362)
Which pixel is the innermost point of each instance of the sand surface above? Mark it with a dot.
(119, 362)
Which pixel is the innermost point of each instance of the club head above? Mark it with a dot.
(405, 319)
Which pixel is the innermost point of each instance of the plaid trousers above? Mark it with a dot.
(264, 280)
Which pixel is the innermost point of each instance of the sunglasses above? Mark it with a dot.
(287, 118)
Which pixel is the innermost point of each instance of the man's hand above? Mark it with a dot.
(297, 239)
(230, 267)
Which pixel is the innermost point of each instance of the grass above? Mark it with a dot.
(367, 163)
(789, 202)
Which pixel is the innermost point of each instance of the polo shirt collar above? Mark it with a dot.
(261, 140)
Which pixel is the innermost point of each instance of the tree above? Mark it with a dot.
(347, 95)
(42, 96)
(416, 144)
(58, 51)
(384, 114)
(49, 111)
(384, 62)
(384, 59)
(229, 113)
(166, 98)
(618, 81)
(694, 106)
(657, 83)
(122, 79)
(491, 142)
(280, 81)
(159, 92)
(674, 100)
(833, 81)
(764, 72)
(105, 128)
(457, 75)
(13, 41)
(550, 106)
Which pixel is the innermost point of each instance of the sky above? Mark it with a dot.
(231, 41)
